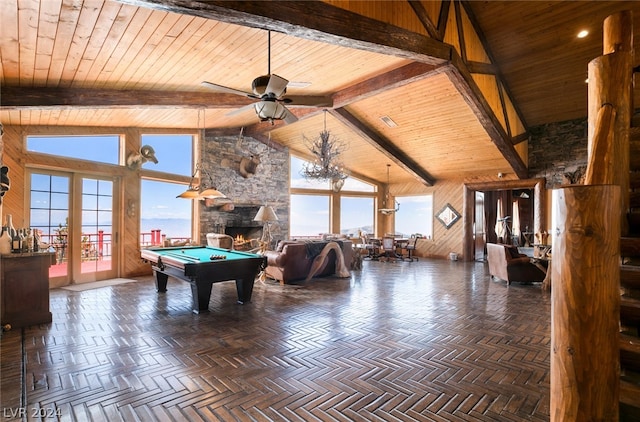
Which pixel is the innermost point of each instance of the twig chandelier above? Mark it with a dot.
(326, 150)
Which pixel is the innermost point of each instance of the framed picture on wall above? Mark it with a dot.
(448, 216)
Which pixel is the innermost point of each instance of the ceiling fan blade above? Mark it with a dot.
(227, 89)
(289, 117)
(276, 86)
(240, 110)
(308, 101)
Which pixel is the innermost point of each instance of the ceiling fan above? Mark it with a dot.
(269, 90)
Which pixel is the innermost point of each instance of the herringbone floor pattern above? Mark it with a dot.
(420, 341)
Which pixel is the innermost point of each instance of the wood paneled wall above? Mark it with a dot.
(444, 240)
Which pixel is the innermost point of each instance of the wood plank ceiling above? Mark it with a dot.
(461, 108)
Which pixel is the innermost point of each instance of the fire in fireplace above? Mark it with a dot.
(245, 233)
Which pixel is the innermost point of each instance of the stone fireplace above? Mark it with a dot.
(221, 156)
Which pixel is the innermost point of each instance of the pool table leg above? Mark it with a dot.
(200, 296)
(244, 287)
(161, 281)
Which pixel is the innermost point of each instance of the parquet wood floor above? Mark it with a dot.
(405, 341)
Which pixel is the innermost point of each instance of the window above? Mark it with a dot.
(174, 153)
(298, 181)
(162, 215)
(309, 215)
(415, 215)
(355, 185)
(98, 148)
(310, 212)
(356, 214)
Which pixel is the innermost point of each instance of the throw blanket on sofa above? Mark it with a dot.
(314, 247)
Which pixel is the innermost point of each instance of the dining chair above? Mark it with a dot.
(410, 247)
(389, 248)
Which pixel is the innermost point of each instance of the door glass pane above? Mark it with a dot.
(49, 217)
(97, 203)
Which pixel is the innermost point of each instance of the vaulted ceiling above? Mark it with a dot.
(463, 81)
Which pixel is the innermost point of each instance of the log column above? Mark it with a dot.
(610, 86)
(585, 304)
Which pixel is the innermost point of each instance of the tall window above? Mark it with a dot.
(162, 215)
(415, 216)
(309, 215)
(311, 201)
(356, 215)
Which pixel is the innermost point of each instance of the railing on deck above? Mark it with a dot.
(97, 246)
(156, 238)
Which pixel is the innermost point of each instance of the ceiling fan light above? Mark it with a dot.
(270, 110)
(259, 85)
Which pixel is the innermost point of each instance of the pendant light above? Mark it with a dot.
(385, 210)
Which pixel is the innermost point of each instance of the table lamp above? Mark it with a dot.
(266, 215)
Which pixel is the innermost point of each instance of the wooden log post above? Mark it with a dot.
(610, 87)
(585, 304)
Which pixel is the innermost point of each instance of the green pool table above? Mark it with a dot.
(202, 266)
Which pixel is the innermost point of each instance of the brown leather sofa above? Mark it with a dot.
(506, 263)
(292, 259)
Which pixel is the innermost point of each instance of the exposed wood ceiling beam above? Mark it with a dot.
(314, 20)
(423, 16)
(407, 74)
(463, 81)
(384, 146)
(28, 97)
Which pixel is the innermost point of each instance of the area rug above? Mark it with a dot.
(97, 284)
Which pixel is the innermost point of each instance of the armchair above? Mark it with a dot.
(506, 263)
(218, 240)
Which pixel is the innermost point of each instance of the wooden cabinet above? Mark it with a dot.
(24, 288)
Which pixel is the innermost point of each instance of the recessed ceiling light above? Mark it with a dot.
(387, 121)
(583, 33)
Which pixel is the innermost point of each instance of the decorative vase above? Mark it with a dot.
(9, 224)
(5, 238)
